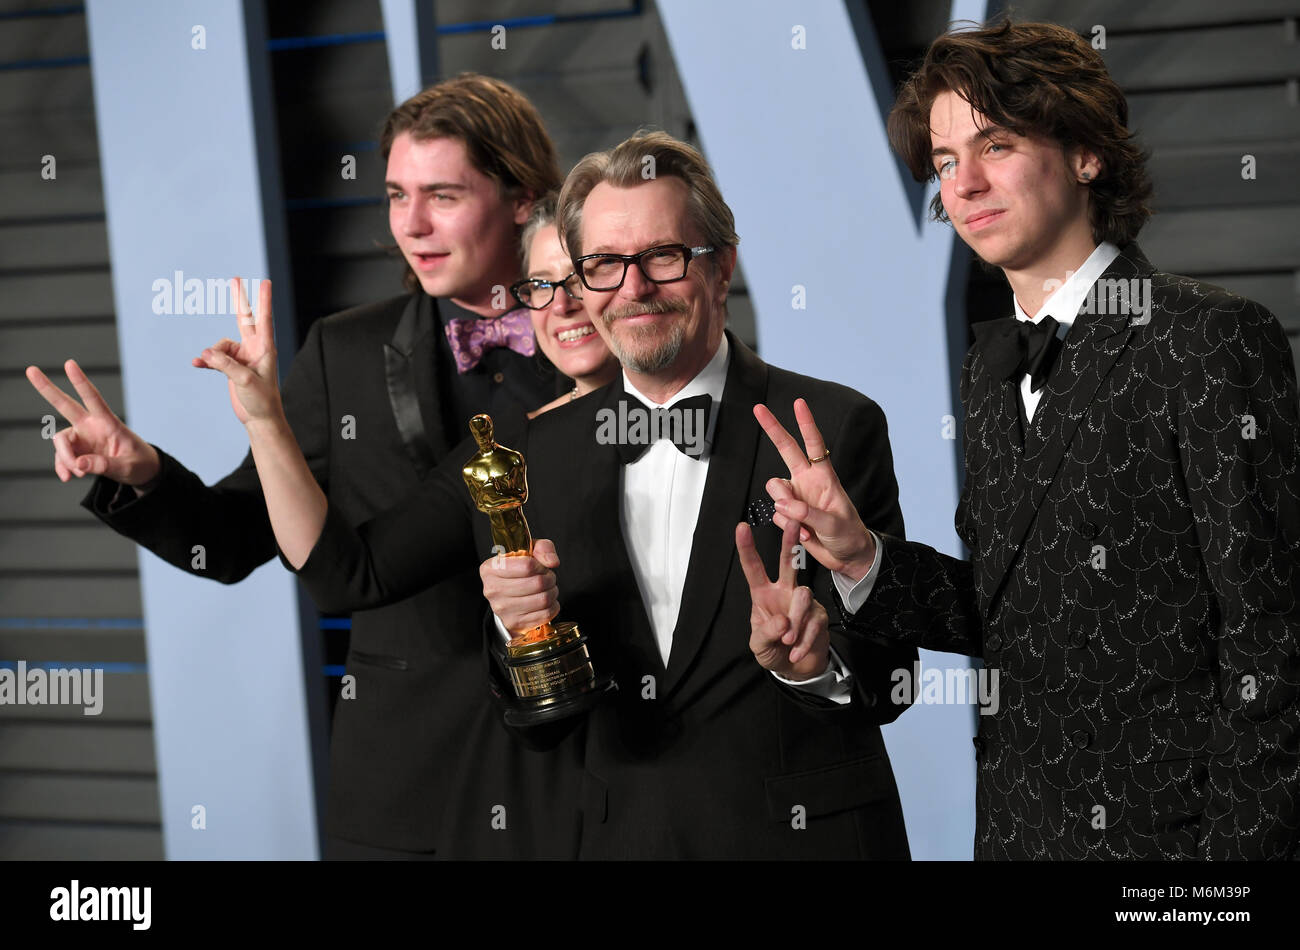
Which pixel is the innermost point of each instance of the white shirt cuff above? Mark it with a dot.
(836, 684)
(855, 595)
(501, 628)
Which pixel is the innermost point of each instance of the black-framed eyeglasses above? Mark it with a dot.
(537, 294)
(660, 265)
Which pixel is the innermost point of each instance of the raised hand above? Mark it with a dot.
(832, 532)
(249, 365)
(789, 632)
(97, 442)
(521, 588)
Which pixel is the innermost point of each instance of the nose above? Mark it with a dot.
(562, 304)
(416, 219)
(970, 180)
(636, 286)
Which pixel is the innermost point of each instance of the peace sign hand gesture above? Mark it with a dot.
(789, 632)
(249, 365)
(97, 441)
(831, 529)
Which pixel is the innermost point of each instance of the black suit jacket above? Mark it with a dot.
(709, 757)
(1134, 580)
(418, 759)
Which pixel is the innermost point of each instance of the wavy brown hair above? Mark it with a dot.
(1032, 78)
(503, 134)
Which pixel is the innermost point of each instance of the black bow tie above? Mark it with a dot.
(637, 426)
(1015, 347)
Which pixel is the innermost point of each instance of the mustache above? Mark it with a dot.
(648, 306)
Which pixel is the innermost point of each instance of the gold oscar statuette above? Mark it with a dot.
(549, 666)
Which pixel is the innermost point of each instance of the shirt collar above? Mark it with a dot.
(1063, 304)
(448, 310)
(712, 379)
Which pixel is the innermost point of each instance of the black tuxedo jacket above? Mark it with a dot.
(1134, 580)
(708, 757)
(419, 758)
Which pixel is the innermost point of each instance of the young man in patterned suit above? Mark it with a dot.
(1131, 501)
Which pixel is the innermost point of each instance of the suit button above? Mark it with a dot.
(1080, 739)
(500, 378)
(1089, 529)
(995, 642)
(1078, 639)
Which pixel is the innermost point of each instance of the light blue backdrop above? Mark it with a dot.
(183, 163)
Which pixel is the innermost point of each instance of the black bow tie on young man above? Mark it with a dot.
(693, 406)
(1015, 347)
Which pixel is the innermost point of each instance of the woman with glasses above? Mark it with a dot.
(553, 294)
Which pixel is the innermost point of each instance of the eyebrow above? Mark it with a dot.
(985, 133)
(436, 186)
(604, 248)
(541, 273)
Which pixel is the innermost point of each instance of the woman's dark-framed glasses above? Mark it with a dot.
(660, 265)
(537, 294)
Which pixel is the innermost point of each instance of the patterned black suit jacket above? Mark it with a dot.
(1135, 582)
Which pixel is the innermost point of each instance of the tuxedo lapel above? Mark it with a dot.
(731, 469)
(1091, 349)
(600, 481)
(412, 394)
(1013, 414)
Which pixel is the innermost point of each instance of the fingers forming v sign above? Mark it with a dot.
(249, 365)
(789, 633)
(97, 442)
(832, 532)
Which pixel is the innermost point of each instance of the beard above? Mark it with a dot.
(645, 349)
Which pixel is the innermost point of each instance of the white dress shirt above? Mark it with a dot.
(1062, 305)
(660, 503)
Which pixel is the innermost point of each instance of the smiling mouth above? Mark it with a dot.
(983, 216)
(575, 333)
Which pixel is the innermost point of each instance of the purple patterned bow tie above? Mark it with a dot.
(470, 339)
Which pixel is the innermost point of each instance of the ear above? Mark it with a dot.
(726, 259)
(1085, 166)
(523, 206)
